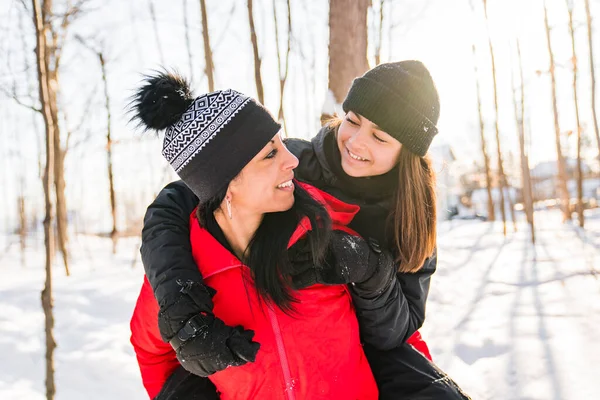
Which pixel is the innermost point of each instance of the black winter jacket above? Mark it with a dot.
(386, 321)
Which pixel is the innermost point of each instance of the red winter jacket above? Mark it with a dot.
(314, 354)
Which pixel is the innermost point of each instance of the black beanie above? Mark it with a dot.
(209, 139)
(401, 99)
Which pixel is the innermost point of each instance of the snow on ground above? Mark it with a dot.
(94, 359)
(505, 319)
(510, 321)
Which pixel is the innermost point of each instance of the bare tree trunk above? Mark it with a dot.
(501, 176)
(257, 61)
(525, 172)
(575, 98)
(486, 158)
(283, 71)
(347, 57)
(111, 185)
(52, 61)
(592, 74)
(31, 93)
(209, 68)
(46, 295)
(22, 210)
(379, 34)
(61, 201)
(511, 204)
(188, 43)
(59, 171)
(22, 225)
(156, 35)
(52, 55)
(562, 171)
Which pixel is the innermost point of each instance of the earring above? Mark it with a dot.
(228, 203)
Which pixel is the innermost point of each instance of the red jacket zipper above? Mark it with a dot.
(285, 367)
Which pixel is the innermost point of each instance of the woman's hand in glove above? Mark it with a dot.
(203, 343)
(350, 259)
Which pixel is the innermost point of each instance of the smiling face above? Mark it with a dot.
(265, 184)
(365, 149)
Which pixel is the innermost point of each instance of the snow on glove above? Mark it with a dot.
(349, 259)
(362, 262)
(203, 343)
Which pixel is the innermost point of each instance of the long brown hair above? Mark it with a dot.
(413, 218)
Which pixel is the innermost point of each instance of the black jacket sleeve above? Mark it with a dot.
(183, 385)
(389, 319)
(166, 249)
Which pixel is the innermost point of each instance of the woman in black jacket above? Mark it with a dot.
(374, 157)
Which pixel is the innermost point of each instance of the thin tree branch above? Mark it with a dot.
(13, 96)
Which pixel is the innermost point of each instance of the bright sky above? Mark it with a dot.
(438, 32)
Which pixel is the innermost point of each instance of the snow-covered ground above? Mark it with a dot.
(505, 319)
(511, 321)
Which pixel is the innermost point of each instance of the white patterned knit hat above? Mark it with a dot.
(204, 118)
(215, 138)
(209, 139)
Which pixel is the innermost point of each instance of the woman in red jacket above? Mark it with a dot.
(225, 147)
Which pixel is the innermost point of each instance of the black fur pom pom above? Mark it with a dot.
(161, 100)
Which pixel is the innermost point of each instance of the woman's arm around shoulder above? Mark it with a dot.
(166, 250)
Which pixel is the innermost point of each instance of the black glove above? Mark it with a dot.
(203, 343)
(380, 273)
(349, 259)
(361, 262)
(306, 273)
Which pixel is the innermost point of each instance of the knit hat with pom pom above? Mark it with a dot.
(209, 139)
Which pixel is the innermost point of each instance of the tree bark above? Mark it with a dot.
(61, 199)
(260, 92)
(46, 295)
(501, 176)
(31, 94)
(525, 172)
(379, 34)
(209, 68)
(52, 61)
(347, 44)
(111, 184)
(577, 121)
(486, 158)
(592, 74)
(562, 171)
(511, 204)
(22, 225)
(283, 71)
